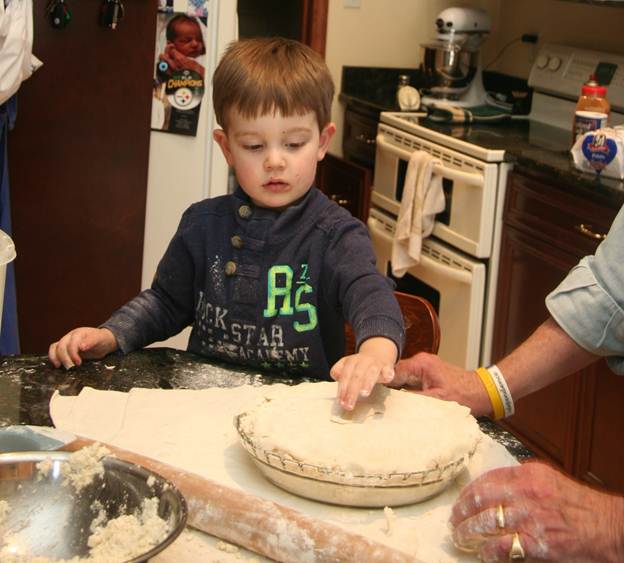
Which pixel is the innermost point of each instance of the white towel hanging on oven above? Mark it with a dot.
(423, 197)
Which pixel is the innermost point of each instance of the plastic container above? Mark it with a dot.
(592, 109)
(7, 254)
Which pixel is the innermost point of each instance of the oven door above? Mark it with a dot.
(470, 187)
(452, 282)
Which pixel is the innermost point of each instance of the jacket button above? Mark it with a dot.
(237, 241)
(230, 268)
(244, 211)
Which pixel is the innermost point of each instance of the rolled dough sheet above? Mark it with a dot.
(193, 430)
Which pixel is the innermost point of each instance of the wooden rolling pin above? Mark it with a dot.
(261, 525)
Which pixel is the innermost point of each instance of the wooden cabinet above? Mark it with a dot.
(359, 137)
(348, 184)
(577, 422)
(348, 180)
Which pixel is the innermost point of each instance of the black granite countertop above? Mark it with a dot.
(532, 147)
(28, 382)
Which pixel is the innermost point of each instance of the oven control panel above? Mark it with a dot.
(561, 70)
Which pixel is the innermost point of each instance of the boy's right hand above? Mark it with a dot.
(86, 343)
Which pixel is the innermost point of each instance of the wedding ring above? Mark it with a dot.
(516, 553)
(500, 517)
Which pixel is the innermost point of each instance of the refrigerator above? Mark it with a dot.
(185, 169)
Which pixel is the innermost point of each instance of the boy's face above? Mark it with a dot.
(274, 157)
(188, 39)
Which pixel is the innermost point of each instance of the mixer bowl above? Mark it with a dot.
(40, 515)
(448, 68)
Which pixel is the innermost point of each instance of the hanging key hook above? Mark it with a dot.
(111, 13)
(59, 14)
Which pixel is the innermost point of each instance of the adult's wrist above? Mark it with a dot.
(501, 404)
(615, 529)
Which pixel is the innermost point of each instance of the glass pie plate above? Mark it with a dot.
(333, 486)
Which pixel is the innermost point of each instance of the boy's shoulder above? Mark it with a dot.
(219, 206)
(328, 215)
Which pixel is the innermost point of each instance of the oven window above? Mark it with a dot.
(414, 286)
(401, 171)
(445, 216)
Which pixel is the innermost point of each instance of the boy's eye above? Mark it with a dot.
(252, 147)
(296, 145)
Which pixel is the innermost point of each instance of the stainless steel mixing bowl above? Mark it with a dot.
(448, 68)
(48, 518)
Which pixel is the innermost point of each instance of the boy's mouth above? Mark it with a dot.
(275, 185)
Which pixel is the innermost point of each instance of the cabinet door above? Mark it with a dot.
(545, 421)
(601, 426)
(575, 422)
(346, 183)
(359, 138)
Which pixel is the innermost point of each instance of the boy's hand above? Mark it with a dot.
(357, 374)
(82, 343)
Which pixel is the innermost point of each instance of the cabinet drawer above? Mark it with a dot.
(555, 216)
(358, 142)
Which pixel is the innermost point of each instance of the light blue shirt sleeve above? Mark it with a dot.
(589, 303)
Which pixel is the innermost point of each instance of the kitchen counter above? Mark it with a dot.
(28, 382)
(533, 148)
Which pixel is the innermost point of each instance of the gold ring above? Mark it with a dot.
(500, 517)
(516, 553)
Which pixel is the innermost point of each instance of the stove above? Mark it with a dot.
(459, 263)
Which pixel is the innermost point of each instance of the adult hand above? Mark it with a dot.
(82, 343)
(434, 377)
(555, 518)
(358, 373)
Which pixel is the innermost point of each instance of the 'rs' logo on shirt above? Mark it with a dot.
(280, 289)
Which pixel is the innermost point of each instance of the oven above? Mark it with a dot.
(458, 266)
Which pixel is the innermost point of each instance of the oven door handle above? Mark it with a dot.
(443, 270)
(471, 178)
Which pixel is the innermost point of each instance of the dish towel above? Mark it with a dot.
(423, 197)
(443, 112)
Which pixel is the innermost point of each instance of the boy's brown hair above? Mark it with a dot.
(266, 74)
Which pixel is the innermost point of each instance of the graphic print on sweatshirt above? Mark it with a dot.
(275, 341)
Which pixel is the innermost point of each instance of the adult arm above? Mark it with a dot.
(587, 322)
(547, 355)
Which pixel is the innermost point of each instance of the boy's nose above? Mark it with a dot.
(273, 160)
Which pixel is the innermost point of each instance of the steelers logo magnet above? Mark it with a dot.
(185, 89)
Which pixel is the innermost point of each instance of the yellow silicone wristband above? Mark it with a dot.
(492, 391)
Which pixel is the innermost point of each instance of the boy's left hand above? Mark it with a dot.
(357, 374)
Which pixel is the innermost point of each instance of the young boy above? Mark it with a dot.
(265, 275)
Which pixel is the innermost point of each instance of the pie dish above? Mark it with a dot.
(321, 464)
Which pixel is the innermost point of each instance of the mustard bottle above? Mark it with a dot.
(592, 109)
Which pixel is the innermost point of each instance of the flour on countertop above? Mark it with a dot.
(4, 509)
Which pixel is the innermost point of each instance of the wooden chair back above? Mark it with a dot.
(422, 328)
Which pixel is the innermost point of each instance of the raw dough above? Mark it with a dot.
(390, 432)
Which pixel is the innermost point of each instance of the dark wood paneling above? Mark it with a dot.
(348, 184)
(78, 170)
(314, 24)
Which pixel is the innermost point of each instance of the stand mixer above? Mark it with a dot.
(450, 64)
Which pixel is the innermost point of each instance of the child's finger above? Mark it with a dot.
(336, 371)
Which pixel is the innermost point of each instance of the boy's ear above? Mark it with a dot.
(326, 136)
(220, 137)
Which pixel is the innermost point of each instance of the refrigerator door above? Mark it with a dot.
(184, 170)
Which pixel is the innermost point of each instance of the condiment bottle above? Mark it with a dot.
(592, 109)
